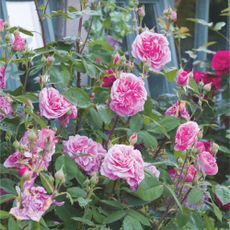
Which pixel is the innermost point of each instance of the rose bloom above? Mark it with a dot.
(36, 151)
(148, 167)
(207, 78)
(128, 95)
(152, 48)
(178, 110)
(124, 162)
(2, 78)
(53, 105)
(2, 24)
(208, 161)
(5, 107)
(186, 135)
(78, 145)
(170, 14)
(18, 43)
(221, 62)
(183, 78)
(33, 204)
(204, 146)
(108, 79)
(191, 173)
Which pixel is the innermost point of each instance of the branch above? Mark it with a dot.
(41, 22)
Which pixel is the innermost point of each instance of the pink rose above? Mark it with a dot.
(178, 110)
(2, 78)
(128, 95)
(151, 169)
(221, 62)
(170, 14)
(2, 25)
(208, 162)
(33, 204)
(191, 173)
(108, 79)
(78, 145)
(172, 174)
(186, 135)
(152, 48)
(53, 105)
(117, 59)
(18, 43)
(34, 153)
(5, 107)
(183, 78)
(124, 162)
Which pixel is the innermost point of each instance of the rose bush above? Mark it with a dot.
(104, 154)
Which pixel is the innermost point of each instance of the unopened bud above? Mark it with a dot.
(59, 177)
(16, 145)
(32, 135)
(133, 139)
(94, 179)
(50, 60)
(141, 11)
(208, 87)
(116, 59)
(200, 134)
(24, 172)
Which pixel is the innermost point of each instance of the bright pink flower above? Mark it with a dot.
(178, 110)
(78, 145)
(116, 59)
(186, 135)
(2, 78)
(33, 204)
(108, 79)
(53, 105)
(23, 170)
(2, 24)
(191, 173)
(124, 162)
(128, 95)
(5, 107)
(152, 48)
(208, 162)
(148, 167)
(172, 174)
(221, 62)
(203, 146)
(207, 78)
(19, 43)
(35, 152)
(183, 78)
(170, 14)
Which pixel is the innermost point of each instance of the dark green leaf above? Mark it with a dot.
(12, 224)
(148, 139)
(4, 214)
(47, 182)
(114, 216)
(84, 221)
(131, 223)
(6, 197)
(195, 196)
(223, 194)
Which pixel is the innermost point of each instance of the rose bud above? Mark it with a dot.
(208, 87)
(116, 59)
(133, 139)
(141, 11)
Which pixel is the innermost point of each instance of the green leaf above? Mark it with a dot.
(4, 214)
(171, 75)
(193, 85)
(200, 21)
(174, 196)
(115, 216)
(195, 196)
(149, 140)
(113, 203)
(22, 30)
(140, 217)
(90, 68)
(105, 113)
(47, 182)
(219, 25)
(224, 149)
(60, 75)
(76, 192)
(223, 194)
(149, 189)
(12, 224)
(37, 119)
(95, 118)
(78, 97)
(217, 212)
(169, 123)
(136, 123)
(84, 221)
(34, 225)
(8, 185)
(6, 197)
(131, 223)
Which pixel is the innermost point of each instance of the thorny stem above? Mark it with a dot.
(41, 22)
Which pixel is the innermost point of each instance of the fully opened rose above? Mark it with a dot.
(128, 95)
(186, 135)
(124, 162)
(152, 48)
(54, 106)
(87, 153)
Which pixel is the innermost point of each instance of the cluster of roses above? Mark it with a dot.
(33, 154)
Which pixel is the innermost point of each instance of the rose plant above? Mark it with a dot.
(106, 155)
